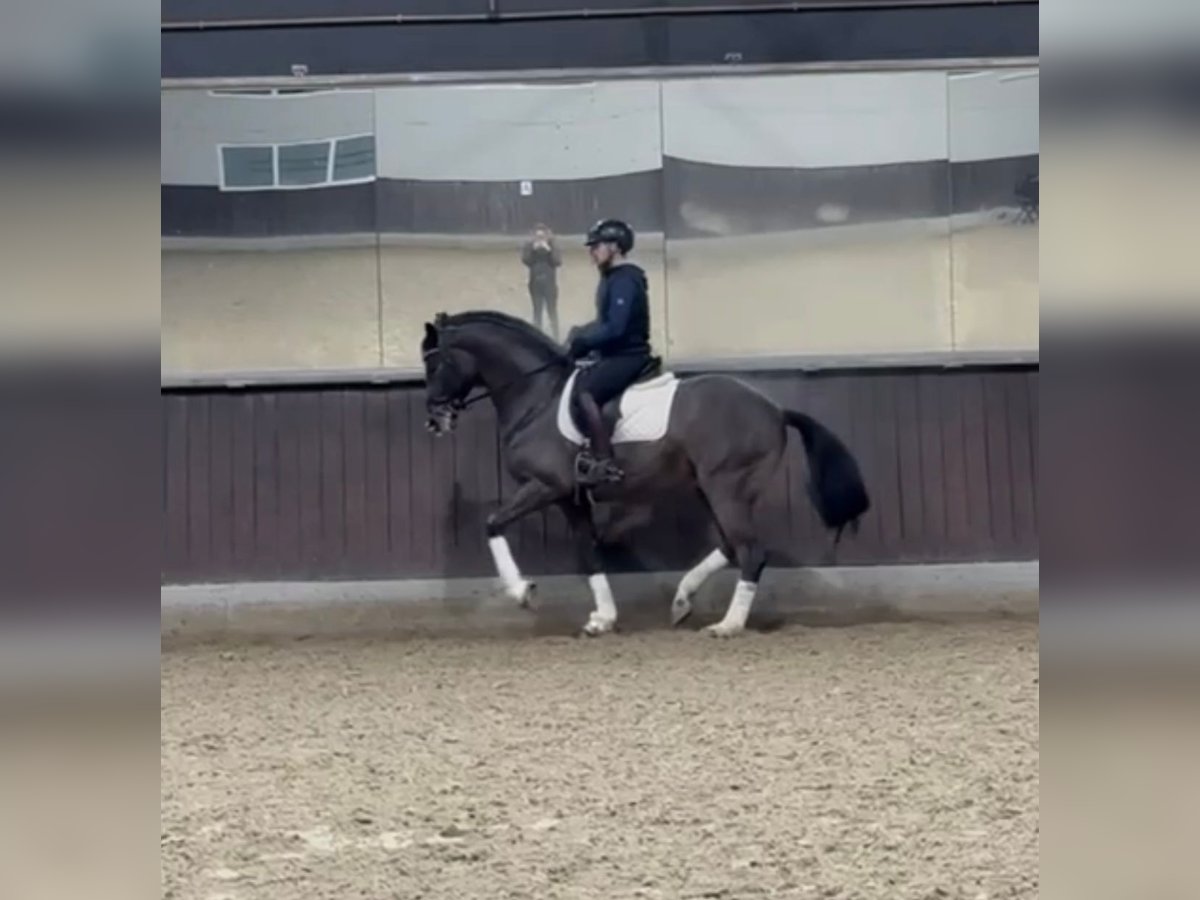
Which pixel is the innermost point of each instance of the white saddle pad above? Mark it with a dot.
(645, 411)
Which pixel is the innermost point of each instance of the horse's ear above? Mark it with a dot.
(440, 320)
(431, 337)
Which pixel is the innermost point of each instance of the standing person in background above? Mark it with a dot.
(540, 255)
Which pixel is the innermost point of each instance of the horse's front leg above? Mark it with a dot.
(604, 617)
(529, 497)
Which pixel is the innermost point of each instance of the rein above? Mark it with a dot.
(488, 392)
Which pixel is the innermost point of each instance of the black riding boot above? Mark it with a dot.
(600, 467)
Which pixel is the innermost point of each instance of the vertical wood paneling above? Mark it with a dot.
(440, 461)
(354, 484)
(1031, 381)
(881, 469)
(908, 464)
(401, 485)
(995, 412)
(953, 474)
(930, 426)
(412, 483)
(377, 490)
(245, 547)
(332, 552)
(267, 474)
(175, 485)
(313, 511)
(848, 409)
(199, 500)
(294, 506)
(979, 507)
(1020, 452)
(220, 455)
(319, 483)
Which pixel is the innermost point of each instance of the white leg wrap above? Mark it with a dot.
(739, 610)
(739, 606)
(604, 616)
(695, 578)
(514, 585)
(606, 606)
(681, 606)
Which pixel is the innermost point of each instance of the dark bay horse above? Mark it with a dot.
(723, 438)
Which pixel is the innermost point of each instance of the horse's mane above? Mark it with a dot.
(491, 317)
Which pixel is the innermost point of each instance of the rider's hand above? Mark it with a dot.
(572, 347)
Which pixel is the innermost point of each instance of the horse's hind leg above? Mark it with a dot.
(694, 578)
(733, 506)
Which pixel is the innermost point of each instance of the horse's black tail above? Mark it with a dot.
(835, 483)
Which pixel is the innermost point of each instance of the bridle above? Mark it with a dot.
(460, 404)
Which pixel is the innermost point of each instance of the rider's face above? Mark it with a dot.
(602, 254)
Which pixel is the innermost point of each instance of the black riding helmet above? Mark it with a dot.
(611, 230)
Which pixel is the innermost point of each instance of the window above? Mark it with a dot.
(354, 159)
(247, 167)
(309, 164)
(303, 164)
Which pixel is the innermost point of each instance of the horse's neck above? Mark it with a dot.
(528, 401)
(517, 379)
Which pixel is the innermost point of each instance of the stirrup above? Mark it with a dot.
(591, 471)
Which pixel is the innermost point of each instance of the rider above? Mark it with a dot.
(618, 341)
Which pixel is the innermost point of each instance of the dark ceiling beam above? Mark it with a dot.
(496, 14)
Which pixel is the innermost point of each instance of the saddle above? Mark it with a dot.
(611, 411)
(638, 419)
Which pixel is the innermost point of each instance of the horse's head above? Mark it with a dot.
(450, 374)
(484, 348)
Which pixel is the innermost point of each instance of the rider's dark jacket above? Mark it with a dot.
(622, 324)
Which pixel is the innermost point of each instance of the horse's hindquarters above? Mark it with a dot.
(723, 423)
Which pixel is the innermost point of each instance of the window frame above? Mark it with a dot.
(331, 146)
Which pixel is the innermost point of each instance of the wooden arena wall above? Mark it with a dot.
(330, 482)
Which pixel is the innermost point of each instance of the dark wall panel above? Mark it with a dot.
(921, 32)
(331, 483)
(241, 10)
(751, 200)
(847, 35)
(466, 207)
(408, 207)
(755, 200)
(990, 183)
(785, 199)
(201, 211)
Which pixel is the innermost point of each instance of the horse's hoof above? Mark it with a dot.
(721, 630)
(681, 608)
(597, 626)
(526, 596)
